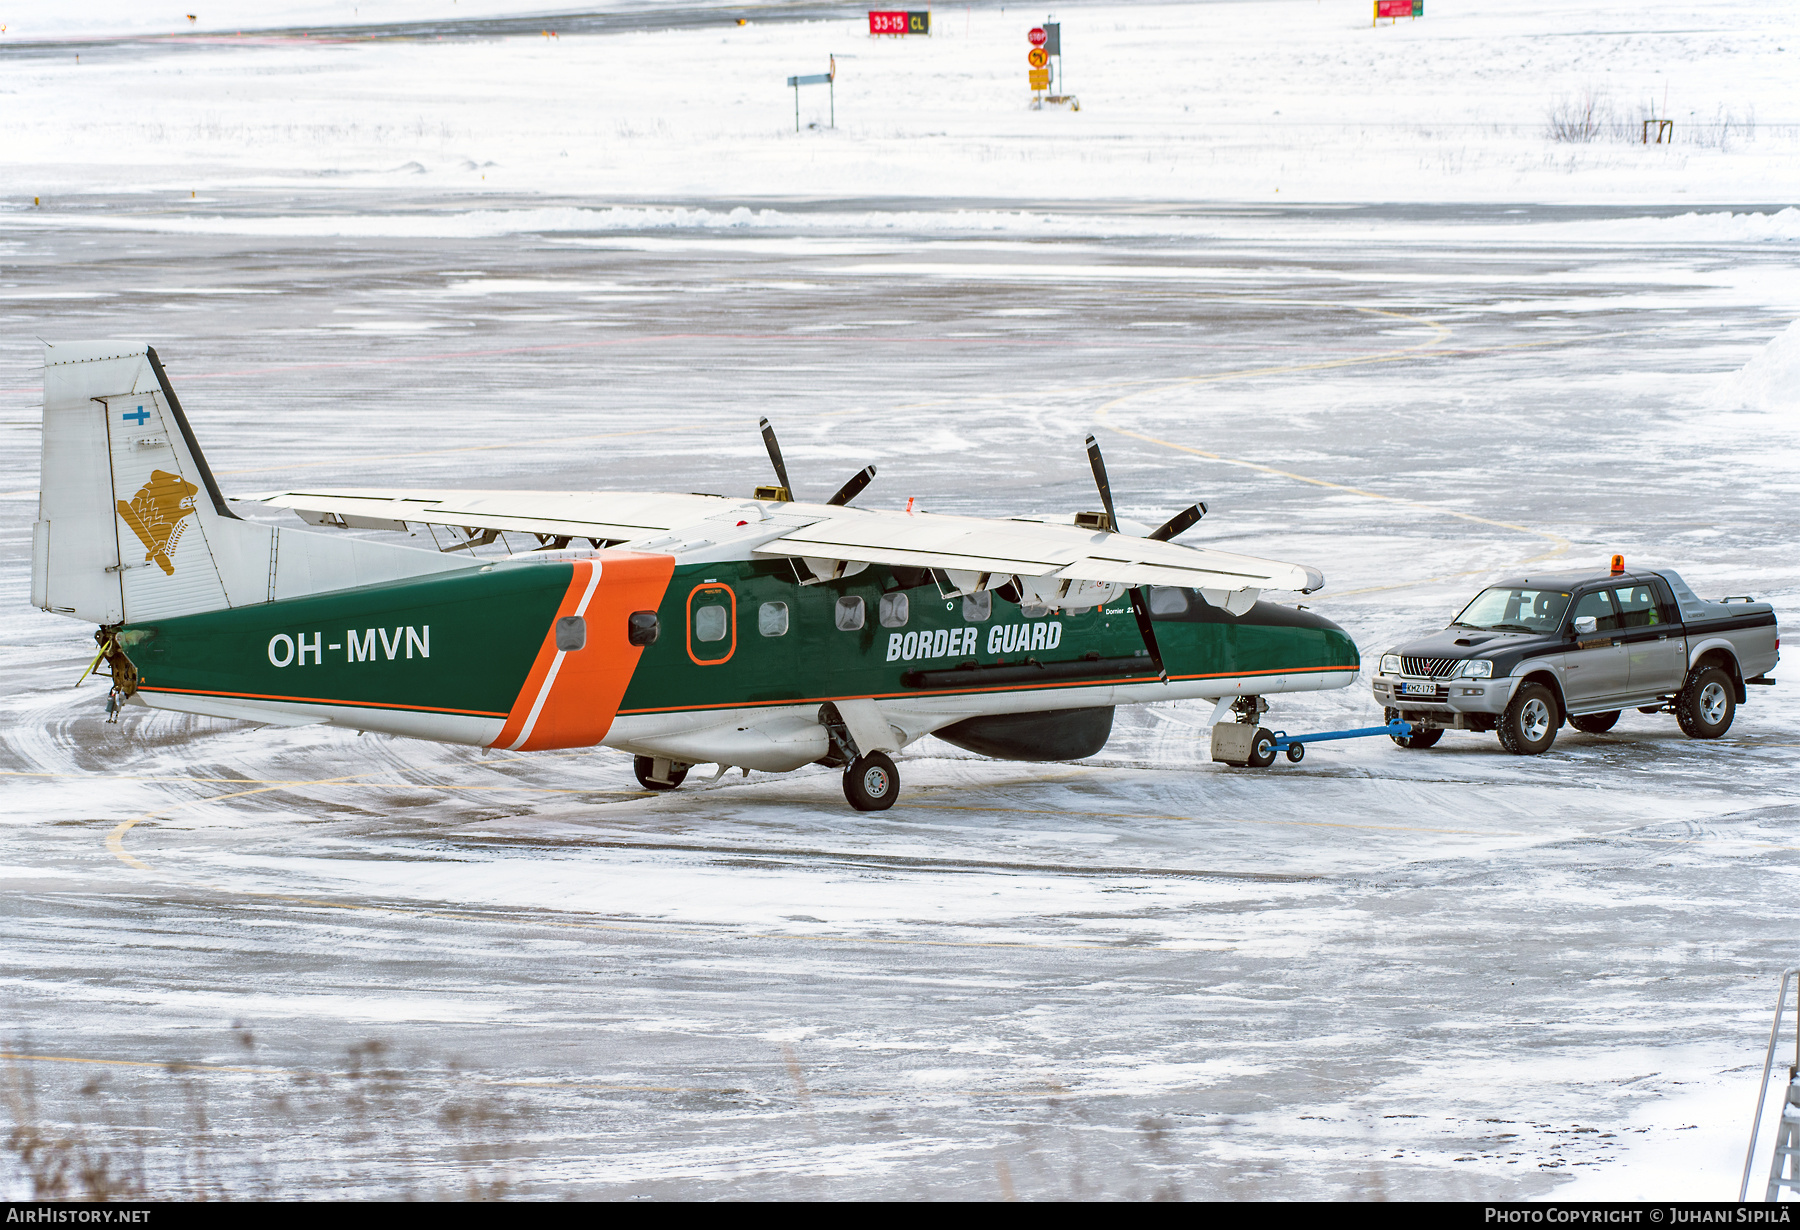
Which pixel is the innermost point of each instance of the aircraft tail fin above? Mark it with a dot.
(131, 522)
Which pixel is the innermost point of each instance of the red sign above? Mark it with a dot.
(1398, 8)
(897, 22)
(1037, 57)
(1038, 37)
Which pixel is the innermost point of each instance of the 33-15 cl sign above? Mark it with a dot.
(899, 23)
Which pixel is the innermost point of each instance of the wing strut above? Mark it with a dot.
(1140, 605)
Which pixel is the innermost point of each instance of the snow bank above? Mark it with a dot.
(1769, 382)
(128, 18)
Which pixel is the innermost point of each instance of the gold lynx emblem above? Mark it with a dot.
(157, 515)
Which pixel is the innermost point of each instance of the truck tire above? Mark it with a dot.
(1419, 739)
(1528, 727)
(1707, 703)
(1595, 723)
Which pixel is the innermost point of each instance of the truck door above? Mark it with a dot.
(1653, 638)
(1597, 668)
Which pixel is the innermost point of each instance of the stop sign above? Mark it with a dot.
(1037, 36)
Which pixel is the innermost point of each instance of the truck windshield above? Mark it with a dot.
(1514, 610)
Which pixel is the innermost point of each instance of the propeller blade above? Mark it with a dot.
(1140, 607)
(850, 490)
(1180, 523)
(774, 447)
(1099, 466)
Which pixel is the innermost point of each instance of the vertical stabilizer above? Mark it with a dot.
(131, 523)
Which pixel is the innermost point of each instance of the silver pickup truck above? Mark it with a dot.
(1527, 655)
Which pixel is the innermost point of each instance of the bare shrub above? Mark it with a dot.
(1580, 118)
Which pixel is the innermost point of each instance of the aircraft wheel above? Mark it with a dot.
(644, 767)
(871, 783)
(1295, 753)
(1262, 749)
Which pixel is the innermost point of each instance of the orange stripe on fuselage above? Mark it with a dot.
(575, 695)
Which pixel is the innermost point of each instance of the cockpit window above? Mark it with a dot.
(1501, 609)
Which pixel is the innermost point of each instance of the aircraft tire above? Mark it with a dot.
(871, 783)
(644, 766)
(1262, 749)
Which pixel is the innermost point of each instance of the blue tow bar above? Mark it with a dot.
(1295, 745)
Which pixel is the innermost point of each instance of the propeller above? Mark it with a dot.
(774, 446)
(1140, 606)
(850, 490)
(785, 491)
(1180, 523)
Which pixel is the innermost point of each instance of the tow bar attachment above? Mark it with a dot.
(1255, 747)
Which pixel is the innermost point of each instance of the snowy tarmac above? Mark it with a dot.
(1447, 973)
(243, 962)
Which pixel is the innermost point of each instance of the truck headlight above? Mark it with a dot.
(1390, 664)
(1477, 668)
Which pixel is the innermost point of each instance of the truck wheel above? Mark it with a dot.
(1707, 704)
(1262, 749)
(1595, 723)
(871, 783)
(644, 766)
(1528, 727)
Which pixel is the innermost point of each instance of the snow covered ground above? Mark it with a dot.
(1272, 100)
(383, 967)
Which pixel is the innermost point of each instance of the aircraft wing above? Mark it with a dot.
(1036, 550)
(1031, 549)
(607, 516)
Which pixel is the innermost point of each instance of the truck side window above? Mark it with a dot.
(1637, 607)
(1600, 605)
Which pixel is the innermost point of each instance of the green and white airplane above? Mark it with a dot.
(761, 633)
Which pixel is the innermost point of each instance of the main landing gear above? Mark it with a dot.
(871, 783)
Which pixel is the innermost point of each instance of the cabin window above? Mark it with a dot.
(849, 614)
(977, 608)
(1033, 610)
(1168, 600)
(894, 610)
(641, 628)
(711, 623)
(772, 619)
(571, 633)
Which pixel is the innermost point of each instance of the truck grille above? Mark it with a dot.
(1428, 668)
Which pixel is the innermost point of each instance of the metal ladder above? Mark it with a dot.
(1784, 1166)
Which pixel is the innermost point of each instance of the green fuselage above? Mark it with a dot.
(465, 642)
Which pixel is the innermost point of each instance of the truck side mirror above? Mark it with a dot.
(1585, 624)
